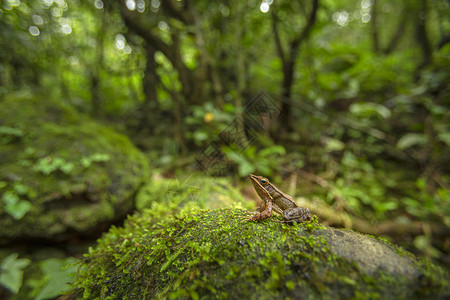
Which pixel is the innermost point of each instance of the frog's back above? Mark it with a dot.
(285, 203)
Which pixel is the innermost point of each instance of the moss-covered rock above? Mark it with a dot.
(211, 254)
(61, 173)
(162, 196)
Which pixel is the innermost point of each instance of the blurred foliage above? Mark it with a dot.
(57, 273)
(369, 103)
(41, 279)
(264, 161)
(12, 272)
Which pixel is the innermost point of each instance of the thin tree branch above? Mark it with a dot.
(393, 228)
(184, 15)
(276, 34)
(133, 20)
(304, 34)
(374, 22)
(397, 35)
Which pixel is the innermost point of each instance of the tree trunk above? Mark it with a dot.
(192, 81)
(422, 35)
(149, 84)
(95, 74)
(289, 63)
(374, 23)
(288, 79)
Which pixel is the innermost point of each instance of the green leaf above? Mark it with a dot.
(58, 273)
(228, 107)
(46, 165)
(421, 242)
(3, 184)
(236, 157)
(57, 162)
(85, 162)
(411, 139)
(388, 205)
(290, 285)
(445, 137)
(263, 168)
(20, 188)
(200, 136)
(67, 168)
(11, 274)
(98, 157)
(10, 198)
(10, 131)
(421, 183)
(334, 145)
(370, 109)
(245, 168)
(272, 150)
(18, 210)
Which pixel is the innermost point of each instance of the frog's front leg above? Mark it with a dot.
(262, 215)
(262, 207)
(296, 214)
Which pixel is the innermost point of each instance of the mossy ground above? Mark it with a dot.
(211, 254)
(73, 173)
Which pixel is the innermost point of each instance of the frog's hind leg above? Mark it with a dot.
(296, 214)
(277, 209)
(288, 221)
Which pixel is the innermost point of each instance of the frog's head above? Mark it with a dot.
(260, 180)
(261, 184)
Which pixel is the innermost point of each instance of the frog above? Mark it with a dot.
(276, 200)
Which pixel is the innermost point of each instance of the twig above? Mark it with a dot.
(393, 228)
(341, 203)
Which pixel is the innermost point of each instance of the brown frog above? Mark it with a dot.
(275, 199)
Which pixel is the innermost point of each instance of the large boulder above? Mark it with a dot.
(212, 254)
(62, 174)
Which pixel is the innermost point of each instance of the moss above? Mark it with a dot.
(162, 196)
(75, 173)
(211, 254)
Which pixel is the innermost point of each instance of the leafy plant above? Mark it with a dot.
(14, 205)
(8, 134)
(11, 274)
(56, 278)
(363, 188)
(264, 161)
(48, 165)
(96, 157)
(209, 121)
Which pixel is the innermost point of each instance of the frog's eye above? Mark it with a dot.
(263, 181)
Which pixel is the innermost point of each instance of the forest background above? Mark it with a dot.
(352, 97)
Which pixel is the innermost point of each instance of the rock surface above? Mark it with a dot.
(370, 254)
(211, 254)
